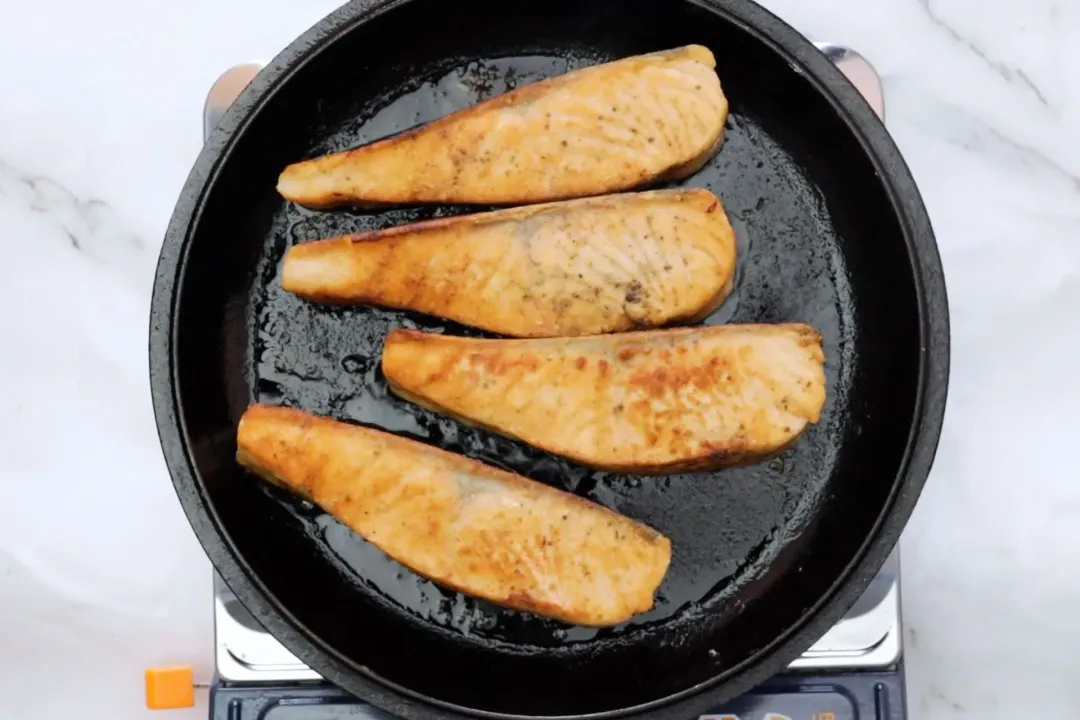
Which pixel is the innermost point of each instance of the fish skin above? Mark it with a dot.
(649, 402)
(577, 267)
(593, 131)
(463, 524)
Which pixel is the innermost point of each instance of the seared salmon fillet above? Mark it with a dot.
(644, 402)
(597, 130)
(463, 524)
(577, 267)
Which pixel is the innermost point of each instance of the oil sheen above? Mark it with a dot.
(724, 526)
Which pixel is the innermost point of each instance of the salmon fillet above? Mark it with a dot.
(463, 524)
(578, 267)
(597, 130)
(645, 402)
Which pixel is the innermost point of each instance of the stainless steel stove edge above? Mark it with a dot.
(244, 652)
(870, 635)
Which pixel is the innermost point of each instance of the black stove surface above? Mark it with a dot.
(795, 696)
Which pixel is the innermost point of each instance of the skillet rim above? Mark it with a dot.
(915, 466)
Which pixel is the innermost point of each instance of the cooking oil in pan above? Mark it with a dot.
(725, 526)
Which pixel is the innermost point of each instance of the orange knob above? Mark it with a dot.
(170, 687)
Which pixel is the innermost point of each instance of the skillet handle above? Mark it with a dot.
(860, 72)
(857, 69)
(224, 91)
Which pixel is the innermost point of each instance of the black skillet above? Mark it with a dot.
(831, 230)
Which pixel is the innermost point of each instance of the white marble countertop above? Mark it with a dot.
(100, 122)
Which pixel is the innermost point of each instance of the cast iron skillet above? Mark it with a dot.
(831, 232)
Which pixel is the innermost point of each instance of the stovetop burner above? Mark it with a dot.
(852, 672)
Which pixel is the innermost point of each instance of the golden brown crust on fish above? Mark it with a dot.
(463, 524)
(597, 130)
(578, 267)
(644, 402)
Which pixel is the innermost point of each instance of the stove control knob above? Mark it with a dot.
(169, 688)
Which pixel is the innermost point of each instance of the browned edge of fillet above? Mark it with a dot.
(459, 463)
(705, 462)
(492, 217)
(522, 95)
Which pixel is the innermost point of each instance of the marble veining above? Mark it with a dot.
(90, 225)
(100, 125)
(1008, 73)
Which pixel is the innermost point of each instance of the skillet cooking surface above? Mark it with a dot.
(754, 549)
(327, 361)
